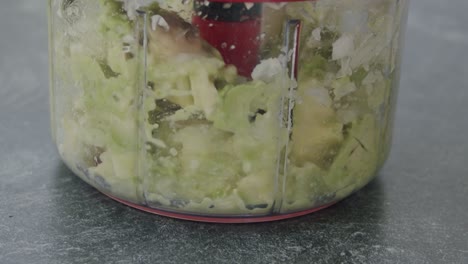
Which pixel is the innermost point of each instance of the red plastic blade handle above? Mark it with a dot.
(238, 42)
(258, 1)
(234, 30)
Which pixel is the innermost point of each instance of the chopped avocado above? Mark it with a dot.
(317, 133)
(356, 162)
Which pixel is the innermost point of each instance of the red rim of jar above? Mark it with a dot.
(218, 219)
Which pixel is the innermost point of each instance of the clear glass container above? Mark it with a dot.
(225, 111)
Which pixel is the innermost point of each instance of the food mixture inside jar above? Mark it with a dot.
(161, 113)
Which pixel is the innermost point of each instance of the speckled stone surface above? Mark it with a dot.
(415, 212)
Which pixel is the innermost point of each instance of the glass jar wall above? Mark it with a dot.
(225, 111)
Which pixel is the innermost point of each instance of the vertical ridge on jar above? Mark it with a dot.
(289, 57)
(141, 27)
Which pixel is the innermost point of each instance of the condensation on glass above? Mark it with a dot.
(225, 111)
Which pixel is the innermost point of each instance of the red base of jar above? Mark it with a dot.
(221, 220)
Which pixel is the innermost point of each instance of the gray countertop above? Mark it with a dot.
(416, 211)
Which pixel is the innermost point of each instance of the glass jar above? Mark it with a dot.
(225, 111)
